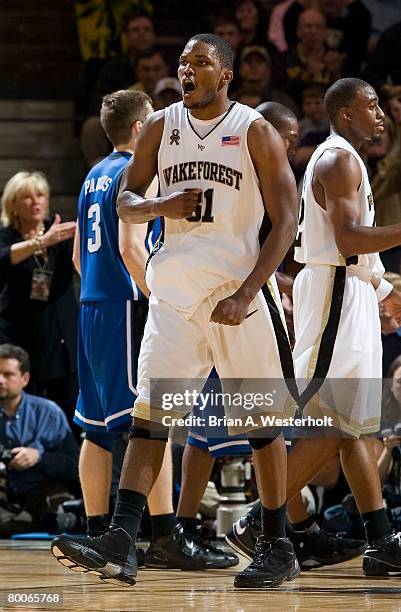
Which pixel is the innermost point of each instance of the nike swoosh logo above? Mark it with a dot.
(251, 313)
(240, 530)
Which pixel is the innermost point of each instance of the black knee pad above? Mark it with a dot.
(147, 430)
(104, 440)
(265, 437)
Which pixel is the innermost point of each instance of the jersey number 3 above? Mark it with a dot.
(95, 242)
(207, 217)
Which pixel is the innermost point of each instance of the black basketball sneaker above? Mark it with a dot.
(179, 550)
(383, 557)
(110, 556)
(243, 535)
(315, 548)
(274, 562)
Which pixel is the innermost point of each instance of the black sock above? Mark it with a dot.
(256, 511)
(95, 525)
(273, 521)
(376, 524)
(288, 529)
(189, 524)
(303, 525)
(162, 524)
(128, 511)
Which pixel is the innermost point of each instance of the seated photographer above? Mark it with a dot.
(36, 443)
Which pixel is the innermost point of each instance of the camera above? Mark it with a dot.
(5, 455)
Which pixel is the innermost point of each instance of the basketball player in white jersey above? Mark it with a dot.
(336, 313)
(221, 166)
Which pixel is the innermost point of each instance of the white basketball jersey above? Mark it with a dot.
(315, 244)
(219, 243)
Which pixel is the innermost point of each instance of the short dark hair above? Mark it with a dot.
(315, 90)
(12, 351)
(147, 53)
(120, 110)
(221, 20)
(277, 114)
(221, 48)
(132, 15)
(341, 94)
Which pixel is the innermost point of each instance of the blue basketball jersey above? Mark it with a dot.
(103, 272)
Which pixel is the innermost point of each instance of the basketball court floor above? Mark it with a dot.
(27, 568)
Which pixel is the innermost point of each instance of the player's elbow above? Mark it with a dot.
(345, 244)
(122, 207)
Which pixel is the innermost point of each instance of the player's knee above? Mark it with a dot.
(264, 437)
(148, 430)
(104, 440)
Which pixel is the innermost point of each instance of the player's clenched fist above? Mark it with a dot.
(180, 204)
(230, 311)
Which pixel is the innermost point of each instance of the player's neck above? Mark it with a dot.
(128, 147)
(356, 141)
(211, 111)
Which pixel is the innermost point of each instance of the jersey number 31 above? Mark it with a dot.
(207, 217)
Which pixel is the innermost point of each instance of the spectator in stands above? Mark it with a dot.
(348, 29)
(383, 69)
(44, 454)
(314, 126)
(391, 342)
(119, 73)
(394, 108)
(309, 61)
(383, 15)
(228, 28)
(255, 72)
(389, 461)
(384, 164)
(252, 19)
(150, 67)
(314, 118)
(38, 310)
(167, 91)
(101, 34)
(291, 17)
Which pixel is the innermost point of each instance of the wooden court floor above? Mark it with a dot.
(28, 568)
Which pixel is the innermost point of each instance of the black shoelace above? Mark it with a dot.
(262, 550)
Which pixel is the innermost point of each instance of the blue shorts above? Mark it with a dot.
(216, 439)
(109, 336)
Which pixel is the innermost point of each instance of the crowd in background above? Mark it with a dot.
(288, 52)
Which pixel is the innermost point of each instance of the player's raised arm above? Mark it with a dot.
(279, 194)
(132, 206)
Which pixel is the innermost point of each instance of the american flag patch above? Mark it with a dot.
(230, 141)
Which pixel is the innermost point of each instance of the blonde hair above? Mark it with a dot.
(17, 184)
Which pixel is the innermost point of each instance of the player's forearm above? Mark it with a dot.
(360, 239)
(270, 257)
(135, 262)
(133, 208)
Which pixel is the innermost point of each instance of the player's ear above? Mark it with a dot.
(227, 77)
(136, 127)
(345, 113)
